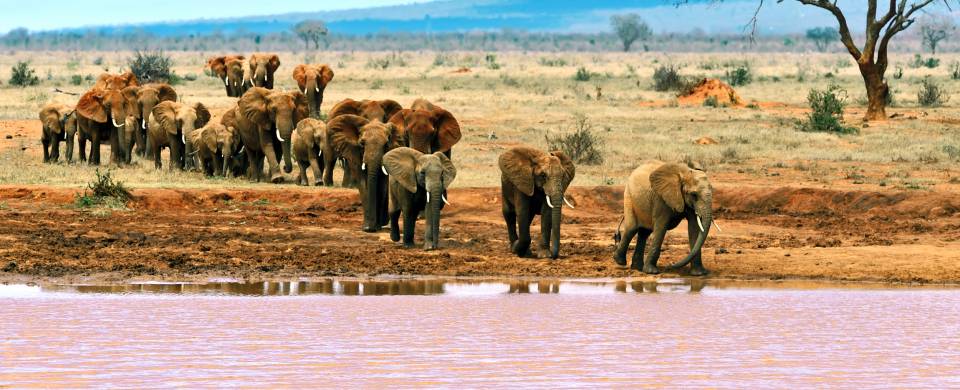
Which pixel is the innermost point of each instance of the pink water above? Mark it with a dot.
(478, 335)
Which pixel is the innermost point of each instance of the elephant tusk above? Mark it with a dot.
(143, 122)
(114, 120)
(226, 81)
(241, 149)
(428, 196)
(384, 171)
(183, 137)
(363, 167)
(444, 197)
(264, 77)
(718, 226)
(699, 223)
(320, 154)
(304, 90)
(548, 201)
(568, 202)
(318, 89)
(279, 137)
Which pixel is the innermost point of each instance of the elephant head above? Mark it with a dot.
(232, 150)
(108, 81)
(208, 142)
(428, 128)
(236, 82)
(219, 67)
(110, 107)
(146, 97)
(433, 173)
(532, 172)
(685, 190)
(262, 67)
(380, 110)
(180, 120)
(312, 80)
(363, 143)
(276, 113)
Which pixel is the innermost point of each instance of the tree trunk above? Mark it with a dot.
(877, 91)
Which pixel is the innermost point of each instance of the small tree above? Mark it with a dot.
(22, 76)
(822, 36)
(152, 67)
(311, 31)
(934, 29)
(630, 28)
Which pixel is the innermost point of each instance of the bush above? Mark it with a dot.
(667, 78)
(393, 59)
(826, 113)
(22, 75)
(552, 62)
(739, 76)
(104, 191)
(491, 60)
(582, 146)
(711, 101)
(152, 67)
(582, 74)
(931, 94)
(920, 62)
(955, 71)
(76, 79)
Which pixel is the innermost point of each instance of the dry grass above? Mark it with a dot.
(526, 98)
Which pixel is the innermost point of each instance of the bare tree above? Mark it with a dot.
(629, 28)
(872, 57)
(311, 31)
(935, 28)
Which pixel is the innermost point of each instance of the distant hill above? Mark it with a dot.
(529, 15)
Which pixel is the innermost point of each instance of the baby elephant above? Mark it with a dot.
(417, 184)
(59, 124)
(656, 197)
(309, 141)
(208, 146)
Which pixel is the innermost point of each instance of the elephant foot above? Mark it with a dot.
(276, 179)
(699, 271)
(650, 269)
(409, 245)
(371, 229)
(394, 236)
(318, 183)
(429, 247)
(620, 259)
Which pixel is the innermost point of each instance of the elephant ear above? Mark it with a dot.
(300, 76)
(345, 107)
(273, 62)
(128, 80)
(517, 168)
(344, 133)
(449, 171)
(399, 119)
(166, 116)
(390, 107)
(301, 108)
(218, 66)
(666, 183)
(326, 75)
(203, 115)
(166, 93)
(253, 105)
(103, 80)
(401, 165)
(91, 106)
(569, 169)
(448, 129)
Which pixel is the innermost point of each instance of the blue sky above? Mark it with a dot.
(55, 14)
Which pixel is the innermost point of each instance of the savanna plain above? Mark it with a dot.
(880, 205)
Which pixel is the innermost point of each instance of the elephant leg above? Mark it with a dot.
(409, 224)
(620, 254)
(329, 161)
(218, 165)
(522, 246)
(156, 157)
(317, 170)
(55, 150)
(176, 152)
(650, 263)
(693, 232)
(269, 150)
(116, 151)
(546, 223)
(82, 148)
(636, 262)
(46, 147)
(395, 225)
(95, 151)
(302, 177)
(510, 217)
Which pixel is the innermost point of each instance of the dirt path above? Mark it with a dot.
(768, 233)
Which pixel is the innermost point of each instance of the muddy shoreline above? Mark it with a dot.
(781, 233)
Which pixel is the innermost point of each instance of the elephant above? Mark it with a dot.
(208, 144)
(218, 65)
(534, 182)
(656, 197)
(147, 96)
(262, 67)
(414, 176)
(234, 153)
(265, 120)
(309, 142)
(312, 81)
(428, 128)
(102, 114)
(380, 110)
(171, 125)
(59, 124)
(362, 143)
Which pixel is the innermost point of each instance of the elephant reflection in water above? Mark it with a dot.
(543, 287)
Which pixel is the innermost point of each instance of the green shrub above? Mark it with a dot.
(920, 62)
(931, 94)
(23, 76)
(667, 78)
(583, 74)
(898, 74)
(955, 71)
(711, 101)
(739, 76)
(152, 67)
(826, 113)
(76, 79)
(582, 145)
(392, 59)
(491, 60)
(104, 191)
(552, 62)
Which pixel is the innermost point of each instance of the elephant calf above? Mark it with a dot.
(208, 145)
(414, 177)
(656, 197)
(59, 124)
(309, 141)
(533, 183)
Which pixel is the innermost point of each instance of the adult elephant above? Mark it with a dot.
(533, 183)
(262, 67)
(146, 97)
(265, 120)
(309, 141)
(414, 177)
(656, 198)
(362, 143)
(312, 81)
(239, 77)
(427, 127)
(218, 65)
(372, 110)
(234, 153)
(171, 125)
(102, 115)
(59, 123)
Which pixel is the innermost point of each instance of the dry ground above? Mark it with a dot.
(882, 205)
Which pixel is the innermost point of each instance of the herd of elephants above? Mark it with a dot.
(398, 158)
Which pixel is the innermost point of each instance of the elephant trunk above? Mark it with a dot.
(371, 219)
(555, 218)
(432, 239)
(704, 216)
(68, 137)
(312, 91)
(284, 135)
